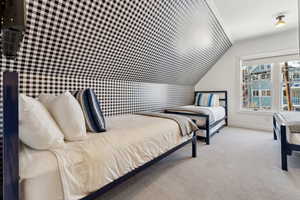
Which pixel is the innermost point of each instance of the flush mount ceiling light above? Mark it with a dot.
(280, 22)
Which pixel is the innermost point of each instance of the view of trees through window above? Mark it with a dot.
(257, 86)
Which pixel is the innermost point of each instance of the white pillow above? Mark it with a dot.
(67, 112)
(37, 128)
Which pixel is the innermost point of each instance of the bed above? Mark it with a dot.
(210, 120)
(131, 144)
(286, 126)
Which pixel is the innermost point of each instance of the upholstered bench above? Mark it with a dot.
(286, 126)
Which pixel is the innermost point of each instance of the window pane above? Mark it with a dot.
(294, 83)
(256, 87)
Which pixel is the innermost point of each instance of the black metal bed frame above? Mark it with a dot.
(11, 145)
(280, 130)
(207, 127)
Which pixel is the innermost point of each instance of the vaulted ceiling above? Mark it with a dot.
(174, 42)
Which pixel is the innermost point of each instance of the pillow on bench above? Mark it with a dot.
(294, 128)
(207, 100)
(67, 113)
(90, 105)
(38, 129)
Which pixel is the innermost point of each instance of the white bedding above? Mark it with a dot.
(137, 138)
(215, 113)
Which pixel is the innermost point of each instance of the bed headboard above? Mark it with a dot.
(223, 97)
(10, 158)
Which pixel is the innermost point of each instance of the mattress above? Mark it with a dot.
(215, 113)
(137, 138)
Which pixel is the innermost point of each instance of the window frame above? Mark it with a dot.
(276, 81)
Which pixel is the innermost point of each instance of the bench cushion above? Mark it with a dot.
(294, 138)
(292, 120)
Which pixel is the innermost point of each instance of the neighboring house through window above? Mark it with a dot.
(263, 85)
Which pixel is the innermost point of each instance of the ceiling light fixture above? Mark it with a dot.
(280, 22)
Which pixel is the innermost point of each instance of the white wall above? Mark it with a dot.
(223, 75)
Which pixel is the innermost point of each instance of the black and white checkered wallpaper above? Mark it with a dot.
(116, 96)
(136, 54)
(159, 41)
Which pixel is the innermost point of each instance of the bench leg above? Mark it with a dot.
(194, 146)
(284, 160)
(207, 139)
(274, 127)
(284, 149)
(289, 152)
(274, 134)
(207, 130)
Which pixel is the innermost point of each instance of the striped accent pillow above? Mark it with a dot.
(90, 105)
(207, 99)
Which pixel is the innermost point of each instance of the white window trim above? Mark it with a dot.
(282, 52)
(276, 81)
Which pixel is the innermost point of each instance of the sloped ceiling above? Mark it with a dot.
(173, 42)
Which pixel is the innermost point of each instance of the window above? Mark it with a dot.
(270, 83)
(266, 93)
(291, 69)
(260, 97)
(255, 93)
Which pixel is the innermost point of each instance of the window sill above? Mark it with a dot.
(252, 112)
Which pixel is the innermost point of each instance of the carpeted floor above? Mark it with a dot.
(239, 164)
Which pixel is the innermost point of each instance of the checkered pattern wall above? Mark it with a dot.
(159, 41)
(117, 97)
(136, 54)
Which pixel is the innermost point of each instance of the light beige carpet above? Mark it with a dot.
(239, 164)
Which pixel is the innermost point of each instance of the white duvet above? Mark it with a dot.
(86, 166)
